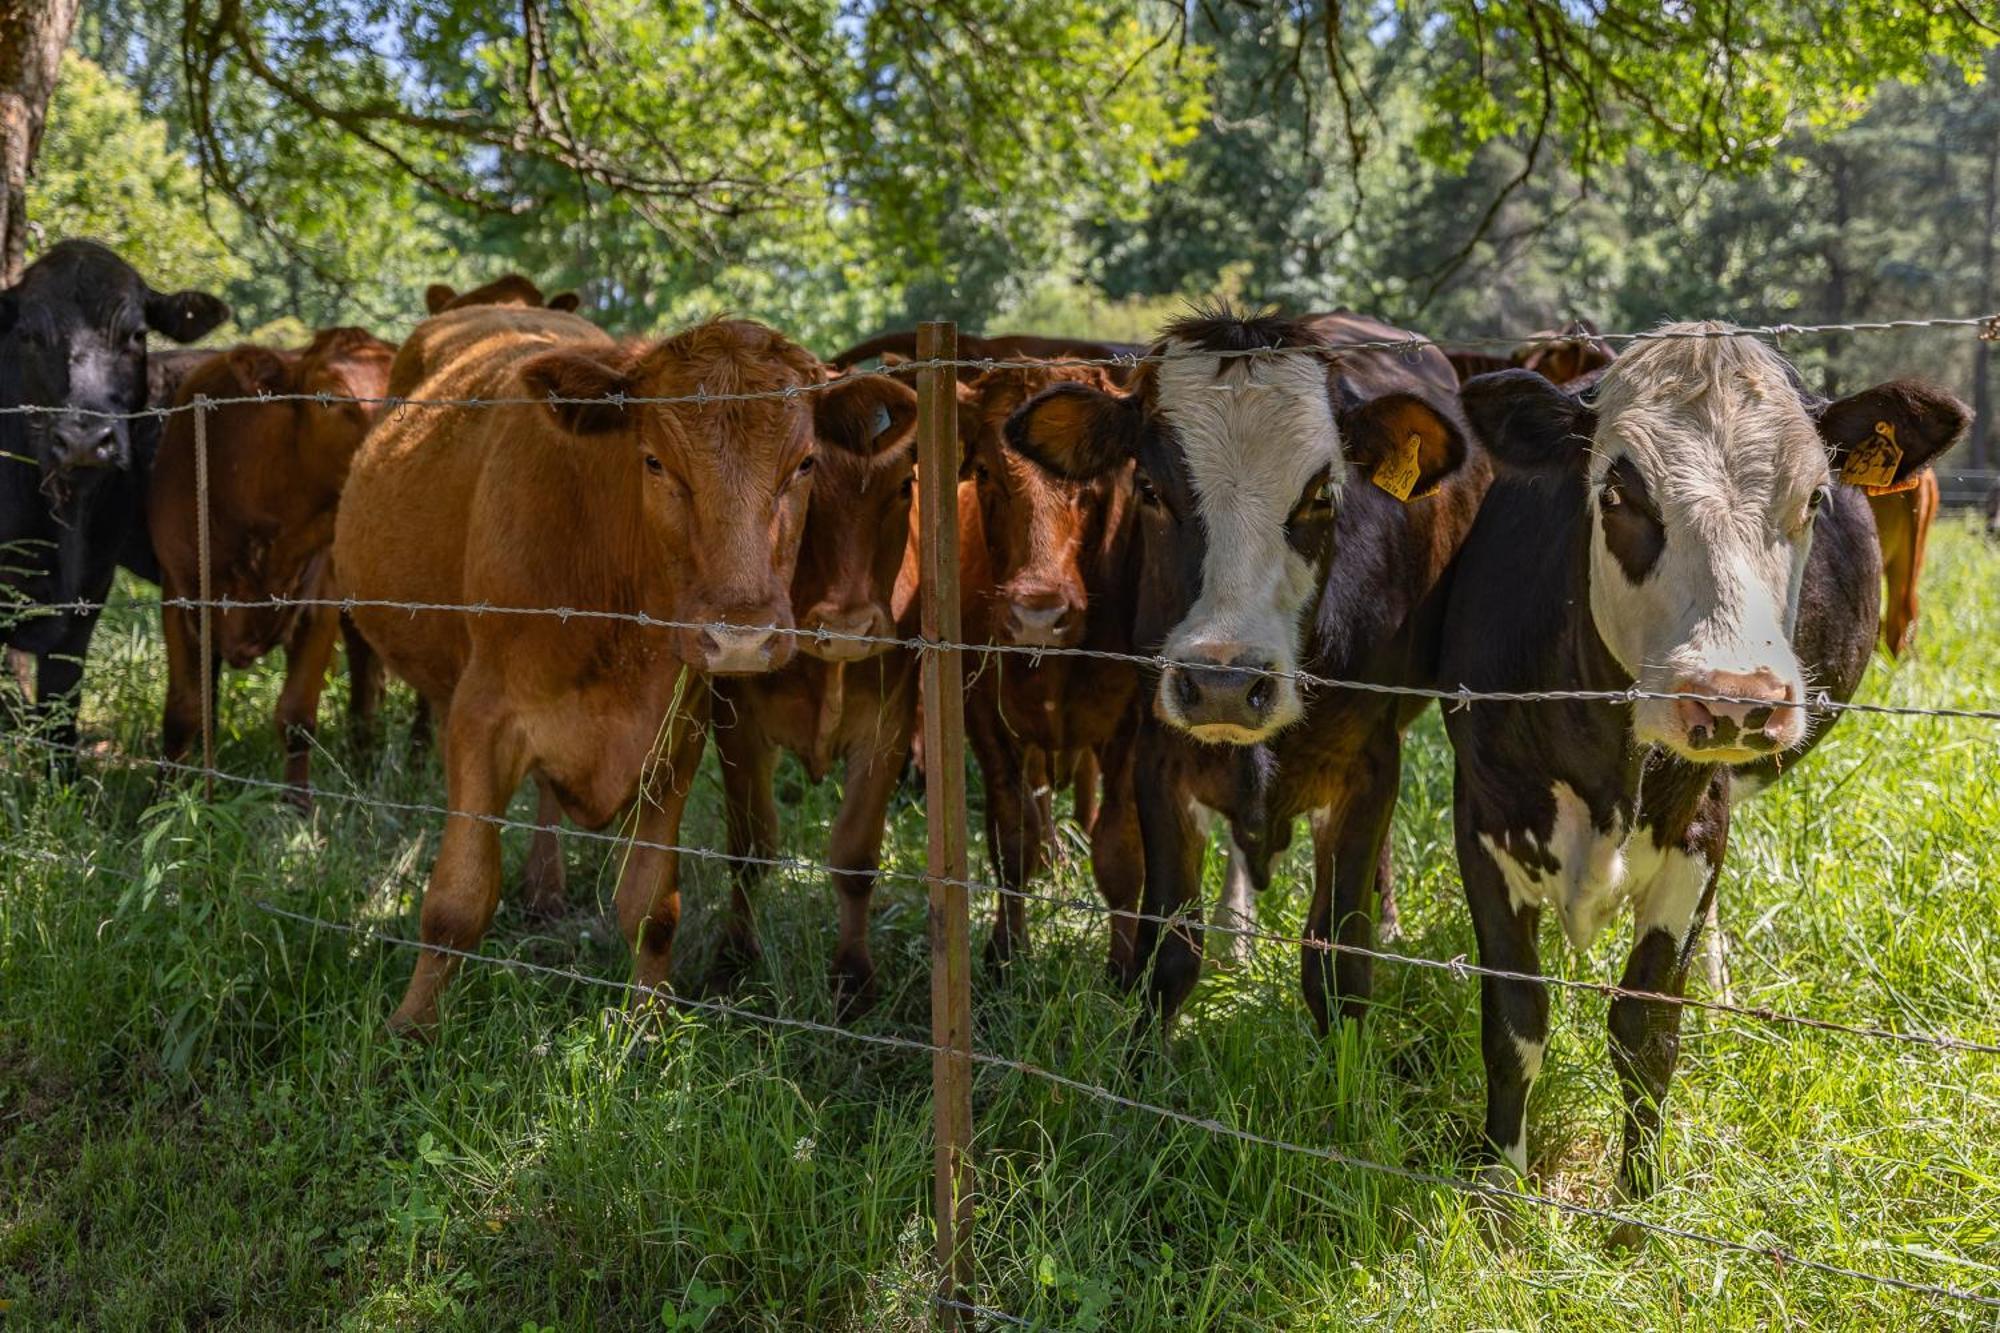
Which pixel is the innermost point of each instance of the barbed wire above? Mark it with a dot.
(1821, 702)
(1459, 968)
(1988, 327)
(1779, 1254)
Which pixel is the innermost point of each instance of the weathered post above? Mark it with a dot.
(944, 780)
(206, 594)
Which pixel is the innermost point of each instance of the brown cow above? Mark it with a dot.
(276, 471)
(1044, 562)
(1005, 347)
(1558, 355)
(687, 512)
(841, 699)
(513, 289)
(1903, 519)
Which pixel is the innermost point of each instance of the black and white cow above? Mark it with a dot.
(73, 479)
(1265, 551)
(1680, 527)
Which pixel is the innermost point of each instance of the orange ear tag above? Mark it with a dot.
(1873, 463)
(1398, 472)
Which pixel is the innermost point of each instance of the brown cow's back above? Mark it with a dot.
(401, 535)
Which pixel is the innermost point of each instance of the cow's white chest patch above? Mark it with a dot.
(1581, 871)
(1585, 874)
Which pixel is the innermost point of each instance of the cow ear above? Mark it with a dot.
(583, 391)
(1881, 437)
(1527, 422)
(864, 414)
(257, 370)
(1076, 431)
(1402, 443)
(437, 296)
(969, 418)
(184, 316)
(565, 301)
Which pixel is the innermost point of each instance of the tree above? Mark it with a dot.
(33, 34)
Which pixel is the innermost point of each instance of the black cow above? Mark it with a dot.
(1265, 549)
(73, 479)
(1679, 528)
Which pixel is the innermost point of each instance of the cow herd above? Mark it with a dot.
(1259, 505)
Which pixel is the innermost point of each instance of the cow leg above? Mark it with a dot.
(421, 727)
(1118, 857)
(649, 889)
(484, 757)
(1013, 832)
(1173, 844)
(365, 680)
(855, 852)
(1388, 921)
(1235, 911)
(750, 817)
(1348, 851)
(1646, 1034)
(1513, 1014)
(544, 890)
(1083, 790)
(308, 657)
(181, 725)
(1900, 611)
(59, 682)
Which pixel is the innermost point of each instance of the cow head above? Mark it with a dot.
(73, 339)
(859, 525)
(1704, 465)
(347, 371)
(1239, 462)
(721, 485)
(1042, 529)
(513, 289)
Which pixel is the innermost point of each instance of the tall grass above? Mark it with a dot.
(203, 1123)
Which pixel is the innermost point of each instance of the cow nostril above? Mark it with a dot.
(1756, 719)
(1259, 695)
(1186, 688)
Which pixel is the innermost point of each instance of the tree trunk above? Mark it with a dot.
(33, 34)
(1983, 428)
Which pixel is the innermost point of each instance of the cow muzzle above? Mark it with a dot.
(730, 649)
(835, 633)
(87, 442)
(1237, 701)
(1041, 620)
(1752, 714)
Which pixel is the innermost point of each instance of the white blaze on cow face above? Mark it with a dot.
(1704, 475)
(1255, 433)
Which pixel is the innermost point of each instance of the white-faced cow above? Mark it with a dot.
(1681, 528)
(1299, 504)
(73, 475)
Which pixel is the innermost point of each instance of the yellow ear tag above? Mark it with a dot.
(1398, 472)
(1873, 463)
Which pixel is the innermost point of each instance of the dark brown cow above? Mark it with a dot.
(1903, 517)
(688, 512)
(841, 700)
(1045, 563)
(513, 289)
(276, 470)
(1298, 507)
(1005, 347)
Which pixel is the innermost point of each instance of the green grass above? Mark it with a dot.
(202, 1122)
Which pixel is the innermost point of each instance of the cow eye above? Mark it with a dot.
(909, 486)
(805, 468)
(1610, 497)
(654, 465)
(1147, 494)
(1816, 499)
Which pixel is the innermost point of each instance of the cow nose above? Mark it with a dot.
(737, 650)
(1040, 622)
(1236, 696)
(837, 633)
(88, 443)
(1751, 719)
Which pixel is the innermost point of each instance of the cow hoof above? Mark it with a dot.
(420, 1028)
(736, 957)
(1123, 974)
(300, 798)
(853, 991)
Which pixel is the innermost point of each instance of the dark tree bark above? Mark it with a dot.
(33, 34)
(1983, 429)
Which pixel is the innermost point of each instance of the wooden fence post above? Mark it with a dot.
(944, 782)
(206, 594)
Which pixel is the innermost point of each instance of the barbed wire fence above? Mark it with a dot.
(943, 654)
